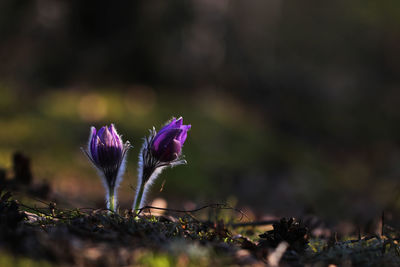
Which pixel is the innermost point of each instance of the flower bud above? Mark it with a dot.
(160, 150)
(167, 144)
(107, 153)
(106, 149)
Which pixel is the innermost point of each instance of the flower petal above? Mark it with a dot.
(171, 151)
(117, 141)
(162, 139)
(179, 122)
(168, 125)
(182, 137)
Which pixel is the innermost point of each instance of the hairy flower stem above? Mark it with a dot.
(111, 201)
(146, 173)
(139, 197)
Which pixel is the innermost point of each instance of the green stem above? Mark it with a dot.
(139, 198)
(111, 200)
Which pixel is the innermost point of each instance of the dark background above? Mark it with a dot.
(294, 105)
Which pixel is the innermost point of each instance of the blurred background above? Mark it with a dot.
(294, 105)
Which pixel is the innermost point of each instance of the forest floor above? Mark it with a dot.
(48, 236)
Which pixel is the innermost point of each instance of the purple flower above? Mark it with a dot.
(168, 142)
(159, 151)
(107, 152)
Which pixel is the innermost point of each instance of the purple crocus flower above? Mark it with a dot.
(160, 150)
(106, 148)
(107, 152)
(168, 142)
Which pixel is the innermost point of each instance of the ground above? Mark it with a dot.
(47, 236)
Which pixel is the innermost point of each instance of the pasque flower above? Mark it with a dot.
(167, 143)
(108, 153)
(160, 150)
